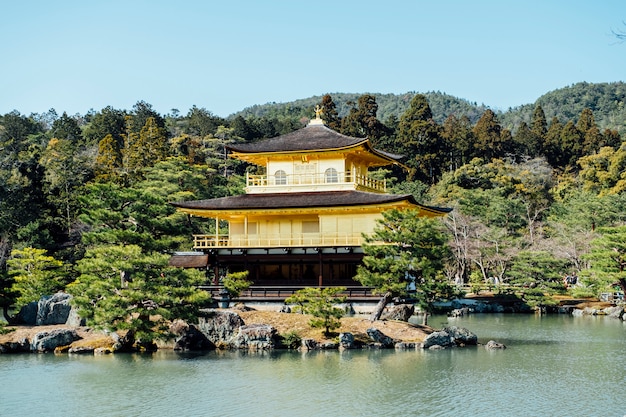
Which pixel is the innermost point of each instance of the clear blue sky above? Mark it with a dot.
(230, 54)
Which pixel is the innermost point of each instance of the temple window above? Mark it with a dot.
(280, 177)
(331, 175)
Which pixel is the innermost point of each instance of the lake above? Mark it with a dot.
(554, 365)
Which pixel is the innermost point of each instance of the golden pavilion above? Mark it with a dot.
(301, 222)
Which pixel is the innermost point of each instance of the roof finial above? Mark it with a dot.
(318, 119)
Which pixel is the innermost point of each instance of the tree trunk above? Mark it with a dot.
(425, 319)
(378, 310)
(10, 319)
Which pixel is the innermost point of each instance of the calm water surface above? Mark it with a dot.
(554, 366)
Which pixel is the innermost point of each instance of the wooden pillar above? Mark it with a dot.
(321, 281)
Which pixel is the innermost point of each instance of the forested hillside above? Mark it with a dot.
(538, 192)
(606, 100)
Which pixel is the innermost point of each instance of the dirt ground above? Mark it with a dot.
(282, 322)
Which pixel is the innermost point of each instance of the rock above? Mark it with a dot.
(49, 310)
(285, 309)
(459, 312)
(346, 340)
(329, 346)
(28, 314)
(241, 307)
(378, 337)
(405, 345)
(449, 337)
(188, 337)
(255, 337)
(74, 320)
(615, 312)
(49, 341)
(577, 312)
(219, 326)
(439, 338)
(54, 309)
(400, 312)
(308, 344)
(590, 311)
(461, 336)
(494, 345)
(22, 345)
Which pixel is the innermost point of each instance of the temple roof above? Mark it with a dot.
(314, 137)
(304, 200)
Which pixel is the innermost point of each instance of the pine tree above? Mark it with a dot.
(422, 141)
(404, 251)
(329, 113)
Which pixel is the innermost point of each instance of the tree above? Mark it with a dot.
(406, 250)
(329, 113)
(362, 121)
(458, 133)
(108, 121)
(122, 287)
(67, 128)
(35, 274)
(607, 261)
(539, 275)
(321, 303)
(487, 132)
(422, 141)
(236, 282)
(108, 160)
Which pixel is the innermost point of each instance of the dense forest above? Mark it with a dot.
(538, 191)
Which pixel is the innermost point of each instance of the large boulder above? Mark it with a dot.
(49, 310)
(461, 336)
(615, 312)
(450, 337)
(380, 338)
(346, 340)
(400, 312)
(28, 314)
(188, 337)
(49, 341)
(255, 337)
(53, 309)
(219, 326)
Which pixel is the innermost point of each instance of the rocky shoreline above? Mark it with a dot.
(54, 327)
(226, 329)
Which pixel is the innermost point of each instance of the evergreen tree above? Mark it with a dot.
(488, 137)
(422, 141)
(108, 121)
(608, 261)
(108, 163)
(458, 133)
(362, 121)
(552, 144)
(35, 274)
(406, 251)
(329, 113)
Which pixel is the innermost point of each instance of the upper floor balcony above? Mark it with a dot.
(331, 180)
(277, 240)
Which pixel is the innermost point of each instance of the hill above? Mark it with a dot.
(606, 100)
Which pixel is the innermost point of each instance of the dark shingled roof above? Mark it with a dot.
(310, 138)
(182, 260)
(301, 200)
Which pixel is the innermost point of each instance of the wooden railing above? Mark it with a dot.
(276, 240)
(282, 292)
(339, 178)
